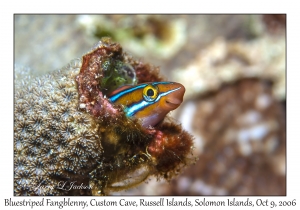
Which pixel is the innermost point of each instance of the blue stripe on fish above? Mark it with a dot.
(133, 109)
(114, 98)
(124, 92)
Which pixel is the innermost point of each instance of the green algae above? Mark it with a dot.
(115, 74)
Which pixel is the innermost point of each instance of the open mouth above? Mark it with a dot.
(173, 102)
(174, 96)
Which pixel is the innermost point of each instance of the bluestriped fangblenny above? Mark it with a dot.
(149, 102)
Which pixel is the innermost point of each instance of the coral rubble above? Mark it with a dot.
(155, 36)
(70, 140)
(241, 132)
(228, 61)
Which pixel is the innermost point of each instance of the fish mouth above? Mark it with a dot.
(172, 95)
(173, 101)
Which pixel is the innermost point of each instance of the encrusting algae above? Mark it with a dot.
(70, 139)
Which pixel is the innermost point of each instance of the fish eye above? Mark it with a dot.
(150, 93)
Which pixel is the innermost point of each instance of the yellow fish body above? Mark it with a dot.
(149, 102)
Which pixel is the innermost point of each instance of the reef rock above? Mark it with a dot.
(70, 140)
